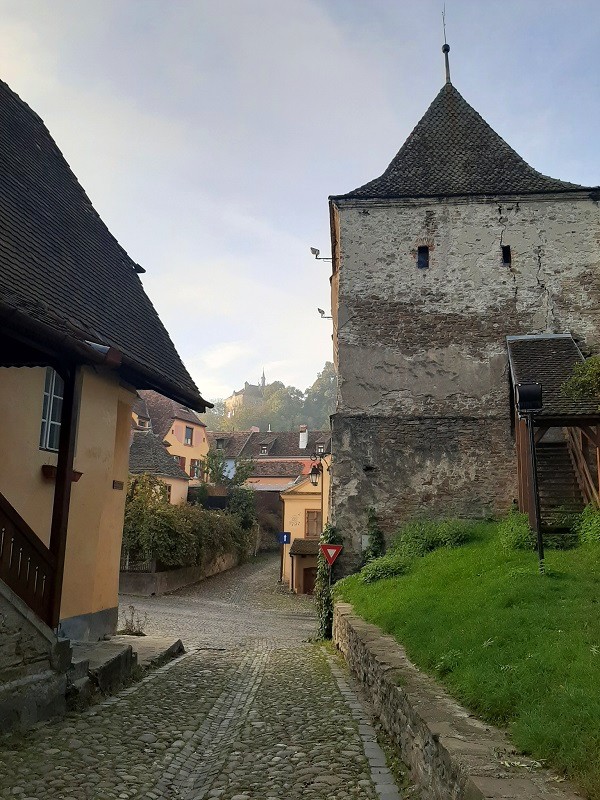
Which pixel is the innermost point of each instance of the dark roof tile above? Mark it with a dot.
(549, 360)
(453, 151)
(61, 266)
(147, 454)
(163, 411)
(304, 547)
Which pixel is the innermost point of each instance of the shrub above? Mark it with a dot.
(388, 566)
(177, 536)
(376, 546)
(588, 525)
(415, 539)
(514, 532)
(323, 593)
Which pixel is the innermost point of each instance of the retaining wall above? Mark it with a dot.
(151, 583)
(451, 754)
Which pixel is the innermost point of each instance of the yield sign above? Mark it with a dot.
(331, 552)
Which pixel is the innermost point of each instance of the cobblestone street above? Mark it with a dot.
(253, 711)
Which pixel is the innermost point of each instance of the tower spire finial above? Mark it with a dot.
(446, 47)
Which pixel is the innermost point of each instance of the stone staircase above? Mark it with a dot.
(33, 666)
(560, 493)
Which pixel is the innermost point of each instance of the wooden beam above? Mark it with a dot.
(540, 433)
(590, 433)
(72, 377)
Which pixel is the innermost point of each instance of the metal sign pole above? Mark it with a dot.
(535, 492)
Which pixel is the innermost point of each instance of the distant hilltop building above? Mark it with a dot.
(251, 395)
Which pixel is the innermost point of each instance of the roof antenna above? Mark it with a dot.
(446, 47)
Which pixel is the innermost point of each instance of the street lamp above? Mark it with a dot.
(315, 473)
(529, 402)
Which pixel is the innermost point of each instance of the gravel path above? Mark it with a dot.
(254, 711)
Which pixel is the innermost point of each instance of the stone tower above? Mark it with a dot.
(457, 245)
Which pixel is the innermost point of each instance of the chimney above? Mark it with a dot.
(303, 442)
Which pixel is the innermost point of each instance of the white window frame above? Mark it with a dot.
(185, 438)
(54, 390)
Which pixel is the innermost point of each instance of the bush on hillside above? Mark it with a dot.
(388, 566)
(588, 525)
(514, 532)
(419, 537)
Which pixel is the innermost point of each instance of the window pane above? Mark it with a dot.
(56, 412)
(53, 436)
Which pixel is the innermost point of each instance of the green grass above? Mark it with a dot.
(519, 649)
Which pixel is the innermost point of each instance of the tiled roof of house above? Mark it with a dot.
(549, 360)
(453, 151)
(163, 411)
(140, 408)
(61, 268)
(233, 442)
(304, 547)
(285, 444)
(147, 454)
(277, 469)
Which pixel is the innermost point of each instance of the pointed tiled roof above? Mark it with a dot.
(162, 411)
(453, 151)
(62, 272)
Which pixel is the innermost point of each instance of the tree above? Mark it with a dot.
(584, 384)
(320, 398)
(282, 407)
(215, 468)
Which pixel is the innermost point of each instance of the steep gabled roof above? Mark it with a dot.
(162, 411)
(453, 151)
(147, 454)
(63, 275)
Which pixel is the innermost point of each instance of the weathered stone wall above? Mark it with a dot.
(415, 345)
(450, 753)
(415, 467)
(432, 341)
(33, 666)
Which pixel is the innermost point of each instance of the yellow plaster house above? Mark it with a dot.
(148, 456)
(78, 337)
(181, 430)
(305, 513)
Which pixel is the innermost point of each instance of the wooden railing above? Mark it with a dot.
(582, 470)
(26, 564)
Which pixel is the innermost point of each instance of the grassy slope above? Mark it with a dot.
(518, 649)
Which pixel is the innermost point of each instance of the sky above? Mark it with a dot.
(209, 134)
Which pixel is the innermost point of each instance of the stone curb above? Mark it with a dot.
(451, 754)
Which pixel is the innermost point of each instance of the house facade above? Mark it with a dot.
(181, 430)
(148, 456)
(305, 514)
(78, 337)
(457, 246)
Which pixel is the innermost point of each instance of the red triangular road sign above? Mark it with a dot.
(331, 552)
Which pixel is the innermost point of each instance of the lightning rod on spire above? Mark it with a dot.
(446, 46)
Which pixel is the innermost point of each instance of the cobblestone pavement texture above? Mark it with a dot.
(254, 711)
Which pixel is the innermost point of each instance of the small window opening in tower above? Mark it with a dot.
(423, 257)
(506, 255)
